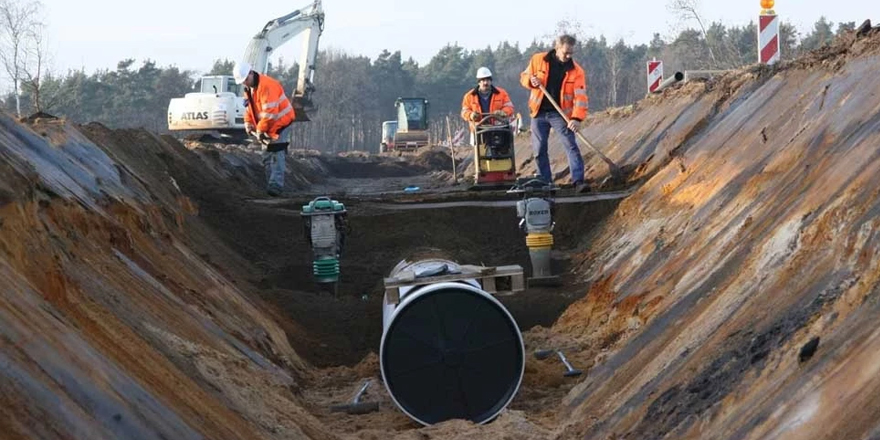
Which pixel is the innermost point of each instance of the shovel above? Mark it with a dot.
(616, 174)
(356, 406)
(569, 370)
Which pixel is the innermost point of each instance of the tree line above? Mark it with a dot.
(354, 93)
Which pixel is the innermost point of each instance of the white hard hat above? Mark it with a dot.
(484, 72)
(241, 70)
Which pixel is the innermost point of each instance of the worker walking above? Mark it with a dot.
(269, 117)
(485, 98)
(566, 82)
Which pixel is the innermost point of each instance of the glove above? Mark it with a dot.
(263, 138)
(499, 114)
(250, 129)
(475, 116)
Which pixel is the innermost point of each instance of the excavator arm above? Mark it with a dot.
(308, 21)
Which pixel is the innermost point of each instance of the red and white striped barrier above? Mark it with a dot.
(768, 37)
(655, 75)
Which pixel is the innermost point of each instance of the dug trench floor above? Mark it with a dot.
(340, 334)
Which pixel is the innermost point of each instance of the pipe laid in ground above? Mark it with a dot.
(449, 350)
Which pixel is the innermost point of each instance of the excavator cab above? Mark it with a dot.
(494, 153)
(412, 124)
(220, 84)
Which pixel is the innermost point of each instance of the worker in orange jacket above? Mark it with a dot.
(485, 98)
(269, 117)
(566, 82)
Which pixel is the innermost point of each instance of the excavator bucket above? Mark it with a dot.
(301, 109)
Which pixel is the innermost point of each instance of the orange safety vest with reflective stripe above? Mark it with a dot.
(573, 96)
(498, 100)
(270, 106)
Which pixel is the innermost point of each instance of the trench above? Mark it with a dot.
(340, 333)
(344, 327)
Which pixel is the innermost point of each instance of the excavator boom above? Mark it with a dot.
(309, 22)
(221, 107)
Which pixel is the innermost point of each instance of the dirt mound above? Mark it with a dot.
(737, 250)
(357, 166)
(434, 160)
(103, 262)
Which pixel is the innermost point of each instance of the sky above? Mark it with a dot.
(191, 34)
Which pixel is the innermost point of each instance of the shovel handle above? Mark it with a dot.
(555, 105)
(611, 165)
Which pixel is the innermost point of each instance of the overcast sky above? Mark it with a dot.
(191, 34)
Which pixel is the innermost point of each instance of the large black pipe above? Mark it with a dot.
(449, 350)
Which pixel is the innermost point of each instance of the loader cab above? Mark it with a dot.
(412, 114)
(389, 128)
(220, 84)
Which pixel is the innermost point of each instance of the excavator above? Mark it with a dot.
(219, 106)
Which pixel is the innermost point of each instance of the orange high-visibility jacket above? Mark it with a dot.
(498, 100)
(573, 96)
(268, 103)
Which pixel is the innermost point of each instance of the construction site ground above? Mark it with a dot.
(151, 289)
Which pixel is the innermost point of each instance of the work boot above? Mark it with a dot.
(582, 187)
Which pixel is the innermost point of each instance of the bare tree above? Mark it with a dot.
(688, 10)
(18, 20)
(615, 56)
(570, 27)
(35, 70)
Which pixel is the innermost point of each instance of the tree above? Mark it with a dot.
(222, 67)
(820, 36)
(688, 10)
(656, 46)
(616, 57)
(788, 37)
(392, 81)
(19, 20)
(845, 27)
(567, 26)
(35, 69)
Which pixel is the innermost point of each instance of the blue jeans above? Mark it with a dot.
(273, 161)
(541, 125)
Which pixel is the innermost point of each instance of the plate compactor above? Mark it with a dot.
(494, 153)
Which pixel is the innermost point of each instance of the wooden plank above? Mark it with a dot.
(489, 284)
(392, 295)
(508, 270)
(470, 268)
(398, 282)
(406, 276)
(516, 283)
(486, 276)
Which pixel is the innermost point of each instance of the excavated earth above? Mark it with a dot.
(150, 290)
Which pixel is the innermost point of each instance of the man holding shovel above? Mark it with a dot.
(563, 110)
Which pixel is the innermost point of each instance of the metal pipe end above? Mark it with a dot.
(543, 354)
(573, 373)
